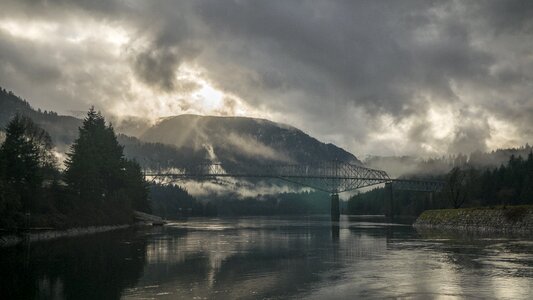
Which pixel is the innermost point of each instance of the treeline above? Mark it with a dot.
(409, 165)
(510, 184)
(304, 203)
(406, 203)
(99, 185)
(466, 186)
(172, 201)
(62, 129)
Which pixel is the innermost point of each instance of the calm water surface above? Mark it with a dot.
(258, 258)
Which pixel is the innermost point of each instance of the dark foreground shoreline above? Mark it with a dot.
(44, 235)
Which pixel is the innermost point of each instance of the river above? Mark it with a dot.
(270, 258)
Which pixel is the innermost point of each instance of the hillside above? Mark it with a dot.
(241, 140)
(159, 155)
(415, 166)
(185, 139)
(63, 129)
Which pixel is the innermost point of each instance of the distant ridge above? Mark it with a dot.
(233, 140)
(187, 138)
(63, 129)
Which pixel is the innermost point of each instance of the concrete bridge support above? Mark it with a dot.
(335, 208)
(389, 209)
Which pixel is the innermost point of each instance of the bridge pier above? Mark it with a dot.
(335, 208)
(389, 209)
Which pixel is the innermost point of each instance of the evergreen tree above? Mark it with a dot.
(25, 153)
(99, 175)
(10, 202)
(526, 195)
(137, 188)
(456, 187)
(95, 164)
(26, 161)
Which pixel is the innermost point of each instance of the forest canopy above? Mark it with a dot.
(99, 185)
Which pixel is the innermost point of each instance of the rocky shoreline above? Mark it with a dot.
(44, 235)
(512, 219)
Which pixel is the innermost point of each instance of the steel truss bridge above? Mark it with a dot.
(330, 176)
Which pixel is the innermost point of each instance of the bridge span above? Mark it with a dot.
(333, 177)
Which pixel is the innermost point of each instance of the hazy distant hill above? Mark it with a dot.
(187, 139)
(159, 155)
(414, 166)
(63, 129)
(240, 140)
(184, 139)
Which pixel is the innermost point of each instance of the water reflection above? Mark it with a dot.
(335, 232)
(92, 267)
(239, 258)
(256, 258)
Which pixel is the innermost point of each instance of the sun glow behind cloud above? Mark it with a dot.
(432, 79)
(442, 122)
(31, 30)
(77, 32)
(195, 95)
(503, 134)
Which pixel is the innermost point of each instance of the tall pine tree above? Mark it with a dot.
(95, 163)
(137, 188)
(25, 161)
(98, 173)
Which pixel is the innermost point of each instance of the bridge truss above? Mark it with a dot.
(330, 176)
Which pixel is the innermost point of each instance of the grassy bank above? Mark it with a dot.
(502, 219)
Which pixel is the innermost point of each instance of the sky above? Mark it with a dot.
(423, 78)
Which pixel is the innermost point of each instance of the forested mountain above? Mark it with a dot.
(186, 139)
(241, 140)
(159, 155)
(183, 139)
(99, 186)
(62, 129)
(234, 141)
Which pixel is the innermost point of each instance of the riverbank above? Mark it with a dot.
(512, 219)
(44, 235)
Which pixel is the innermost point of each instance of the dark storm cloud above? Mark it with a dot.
(65, 8)
(16, 57)
(157, 67)
(366, 51)
(507, 16)
(171, 40)
(380, 56)
(336, 68)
